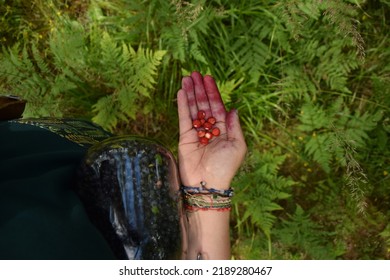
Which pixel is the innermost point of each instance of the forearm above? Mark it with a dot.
(207, 234)
(206, 220)
(207, 167)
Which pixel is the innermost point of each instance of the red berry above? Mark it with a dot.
(196, 123)
(201, 133)
(211, 120)
(215, 131)
(201, 114)
(202, 121)
(208, 135)
(207, 125)
(203, 140)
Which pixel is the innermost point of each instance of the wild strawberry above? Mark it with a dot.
(203, 140)
(201, 133)
(208, 135)
(205, 128)
(196, 123)
(207, 125)
(215, 131)
(201, 114)
(211, 120)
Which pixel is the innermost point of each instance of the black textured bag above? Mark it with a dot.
(129, 187)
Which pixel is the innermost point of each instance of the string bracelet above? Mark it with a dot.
(204, 190)
(202, 198)
(206, 202)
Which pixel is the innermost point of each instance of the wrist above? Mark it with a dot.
(206, 198)
(207, 182)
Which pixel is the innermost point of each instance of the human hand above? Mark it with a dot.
(217, 162)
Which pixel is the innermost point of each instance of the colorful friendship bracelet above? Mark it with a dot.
(203, 190)
(202, 198)
(206, 202)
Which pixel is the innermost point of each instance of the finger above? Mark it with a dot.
(200, 93)
(233, 127)
(185, 120)
(187, 85)
(216, 104)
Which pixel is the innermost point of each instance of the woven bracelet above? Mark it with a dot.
(203, 190)
(202, 198)
(194, 202)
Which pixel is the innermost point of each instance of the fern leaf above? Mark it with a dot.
(312, 117)
(144, 64)
(106, 112)
(318, 148)
(227, 88)
(262, 189)
(41, 64)
(259, 211)
(250, 54)
(127, 100)
(300, 233)
(176, 43)
(359, 126)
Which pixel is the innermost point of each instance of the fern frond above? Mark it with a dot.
(110, 57)
(299, 233)
(131, 77)
(318, 147)
(144, 65)
(359, 126)
(107, 112)
(42, 65)
(337, 133)
(68, 44)
(250, 55)
(227, 89)
(176, 43)
(127, 98)
(339, 13)
(312, 117)
(259, 212)
(331, 72)
(261, 189)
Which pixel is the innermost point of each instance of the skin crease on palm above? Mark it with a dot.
(217, 162)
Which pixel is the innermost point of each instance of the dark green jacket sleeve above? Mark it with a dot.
(40, 216)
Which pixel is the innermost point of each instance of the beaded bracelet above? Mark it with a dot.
(203, 198)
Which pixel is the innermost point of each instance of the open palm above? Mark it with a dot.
(217, 162)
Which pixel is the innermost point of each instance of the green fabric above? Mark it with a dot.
(40, 216)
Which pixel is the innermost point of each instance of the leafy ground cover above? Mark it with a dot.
(310, 79)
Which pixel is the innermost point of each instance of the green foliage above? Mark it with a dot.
(304, 239)
(385, 234)
(260, 190)
(334, 132)
(112, 77)
(130, 75)
(309, 78)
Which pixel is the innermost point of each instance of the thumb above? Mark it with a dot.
(233, 126)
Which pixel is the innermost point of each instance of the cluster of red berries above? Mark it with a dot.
(205, 128)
